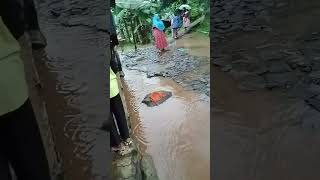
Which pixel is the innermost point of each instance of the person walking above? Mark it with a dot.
(158, 33)
(186, 19)
(175, 24)
(21, 142)
(120, 141)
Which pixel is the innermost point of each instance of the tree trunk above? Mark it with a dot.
(140, 36)
(127, 31)
(133, 36)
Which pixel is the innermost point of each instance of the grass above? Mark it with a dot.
(204, 27)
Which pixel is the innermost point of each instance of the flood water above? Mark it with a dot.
(176, 133)
(196, 44)
(75, 91)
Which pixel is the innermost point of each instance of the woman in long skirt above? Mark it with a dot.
(158, 33)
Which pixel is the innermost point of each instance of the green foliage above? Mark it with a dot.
(205, 25)
(198, 9)
(133, 20)
(133, 17)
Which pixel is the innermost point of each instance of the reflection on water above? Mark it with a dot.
(196, 44)
(176, 133)
(76, 97)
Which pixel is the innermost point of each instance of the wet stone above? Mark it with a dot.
(148, 169)
(314, 102)
(172, 64)
(134, 166)
(127, 167)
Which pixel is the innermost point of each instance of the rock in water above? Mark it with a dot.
(127, 167)
(147, 167)
(134, 166)
(156, 98)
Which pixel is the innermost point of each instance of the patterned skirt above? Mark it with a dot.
(160, 39)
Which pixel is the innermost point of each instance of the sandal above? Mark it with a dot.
(128, 142)
(125, 150)
(122, 150)
(121, 74)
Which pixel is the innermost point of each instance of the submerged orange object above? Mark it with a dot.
(156, 98)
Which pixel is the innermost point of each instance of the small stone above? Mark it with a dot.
(314, 102)
(227, 68)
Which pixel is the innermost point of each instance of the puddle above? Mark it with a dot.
(175, 133)
(194, 44)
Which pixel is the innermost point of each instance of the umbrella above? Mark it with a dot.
(185, 6)
(131, 4)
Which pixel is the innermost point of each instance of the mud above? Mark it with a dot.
(73, 89)
(192, 72)
(36, 96)
(262, 81)
(176, 133)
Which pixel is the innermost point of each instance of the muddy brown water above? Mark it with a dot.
(195, 44)
(176, 133)
(75, 91)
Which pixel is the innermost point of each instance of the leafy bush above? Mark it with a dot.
(133, 17)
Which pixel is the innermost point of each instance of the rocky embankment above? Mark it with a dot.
(193, 73)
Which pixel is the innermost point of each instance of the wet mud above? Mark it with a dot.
(72, 89)
(265, 65)
(175, 133)
(192, 72)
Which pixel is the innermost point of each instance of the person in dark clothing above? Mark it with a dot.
(123, 135)
(37, 39)
(20, 17)
(115, 62)
(21, 142)
(21, 146)
(11, 12)
(120, 141)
